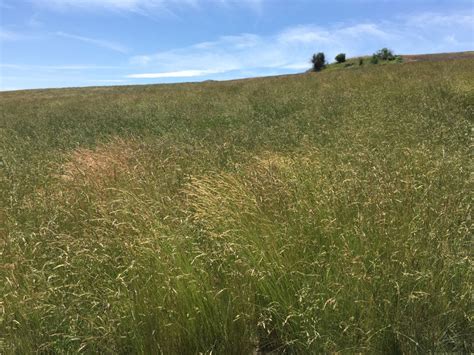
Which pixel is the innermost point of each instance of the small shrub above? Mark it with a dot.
(385, 54)
(375, 59)
(341, 57)
(319, 61)
(361, 61)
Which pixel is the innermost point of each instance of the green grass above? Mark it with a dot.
(353, 63)
(313, 213)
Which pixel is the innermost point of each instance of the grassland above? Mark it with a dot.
(359, 62)
(312, 213)
(365, 61)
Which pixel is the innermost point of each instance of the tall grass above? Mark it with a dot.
(314, 213)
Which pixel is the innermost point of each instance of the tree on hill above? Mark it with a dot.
(341, 57)
(319, 61)
(385, 54)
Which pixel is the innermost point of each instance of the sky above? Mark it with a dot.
(71, 43)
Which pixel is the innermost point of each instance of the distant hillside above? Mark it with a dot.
(438, 57)
(364, 61)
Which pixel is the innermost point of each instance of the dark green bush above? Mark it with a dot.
(385, 54)
(361, 61)
(374, 59)
(319, 61)
(341, 57)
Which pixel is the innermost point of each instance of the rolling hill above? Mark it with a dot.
(325, 212)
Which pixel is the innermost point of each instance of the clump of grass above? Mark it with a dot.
(328, 214)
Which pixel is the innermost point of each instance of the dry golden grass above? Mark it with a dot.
(103, 163)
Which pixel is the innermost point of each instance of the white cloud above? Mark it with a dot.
(141, 6)
(140, 60)
(255, 5)
(297, 66)
(292, 47)
(6, 88)
(365, 29)
(225, 54)
(249, 54)
(175, 74)
(304, 34)
(10, 36)
(288, 49)
(107, 81)
(88, 4)
(34, 22)
(27, 67)
(97, 42)
(7, 35)
(430, 19)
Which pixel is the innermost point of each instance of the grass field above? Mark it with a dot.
(320, 212)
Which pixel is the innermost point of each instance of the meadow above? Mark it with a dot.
(313, 213)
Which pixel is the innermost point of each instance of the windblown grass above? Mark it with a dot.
(315, 213)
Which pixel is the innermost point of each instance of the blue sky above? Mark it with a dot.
(62, 43)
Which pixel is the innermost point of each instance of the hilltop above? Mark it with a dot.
(294, 214)
(364, 61)
(350, 63)
(437, 57)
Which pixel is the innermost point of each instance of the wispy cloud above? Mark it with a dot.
(174, 74)
(304, 34)
(140, 6)
(7, 88)
(105, 81)
(292, 47)
(58, 67)
(255, 5)
(430, 19)
(288, 49)
(11, 36)
(94, 41)
(95, 4)
(244, 54)
(34, 21)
